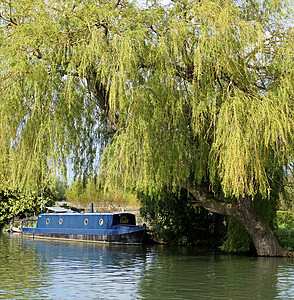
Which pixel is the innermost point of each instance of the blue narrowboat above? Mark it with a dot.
(117, 228)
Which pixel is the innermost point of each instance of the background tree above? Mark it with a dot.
(15, 204)
(196, 95)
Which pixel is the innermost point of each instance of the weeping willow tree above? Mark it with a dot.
(47, 110)
(195, 95)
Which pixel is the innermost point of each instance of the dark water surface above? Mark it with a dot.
(39, 269)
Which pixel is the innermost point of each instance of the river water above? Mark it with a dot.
(40, 269)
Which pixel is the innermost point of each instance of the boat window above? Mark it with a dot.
(60, 221)
(101, 222)
(86, 221)
(124, 220)
(47, 221)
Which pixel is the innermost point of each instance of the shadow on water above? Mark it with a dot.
(40, 269)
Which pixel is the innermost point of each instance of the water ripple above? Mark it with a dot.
(64, 270)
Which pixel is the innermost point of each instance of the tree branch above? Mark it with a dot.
(208, 201)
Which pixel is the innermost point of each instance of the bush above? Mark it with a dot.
(16, 204)
(237, 239)
(175, 220)
(285, 219)
(285, 237)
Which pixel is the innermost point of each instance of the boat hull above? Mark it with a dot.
(127, 238)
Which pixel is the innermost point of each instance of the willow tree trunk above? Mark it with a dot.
(264, 240)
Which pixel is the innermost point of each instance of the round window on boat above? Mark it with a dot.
(101, 222)
(60, 221)
(86, 221)
(47, 221)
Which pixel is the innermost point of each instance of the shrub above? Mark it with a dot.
(285, 237)
(285, 219)
(16, 204)
(175, 220)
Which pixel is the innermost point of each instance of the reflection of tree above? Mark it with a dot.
(176, 273)
(22, 276)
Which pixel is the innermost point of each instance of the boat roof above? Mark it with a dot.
(59, 209)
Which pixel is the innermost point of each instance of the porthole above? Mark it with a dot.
(86, 221)
(60, 221)
(101, 222)
(47, 221)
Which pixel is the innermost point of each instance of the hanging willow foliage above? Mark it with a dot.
(53, 53)
(197, 91)
(211, 102)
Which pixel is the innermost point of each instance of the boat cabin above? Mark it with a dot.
(95, 227)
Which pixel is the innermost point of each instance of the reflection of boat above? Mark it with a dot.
(93, 227)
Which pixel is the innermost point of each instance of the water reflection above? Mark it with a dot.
(70, 270)
(95, 271)
(22, 274)
(189, 273)
(285, 278)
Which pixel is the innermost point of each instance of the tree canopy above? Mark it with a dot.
(195, 94)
